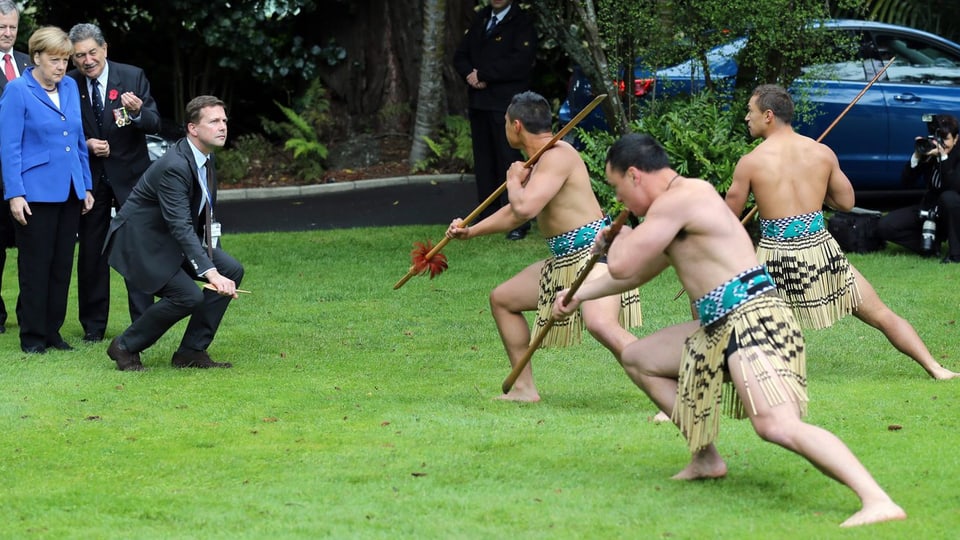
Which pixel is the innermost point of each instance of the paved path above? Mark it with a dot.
(366, 203)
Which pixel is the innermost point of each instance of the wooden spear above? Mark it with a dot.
(610, 234)
(415, 269)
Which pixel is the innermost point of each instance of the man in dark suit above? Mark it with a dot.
(118, 111)
(165, 238)
(495, 58)
(14, 62)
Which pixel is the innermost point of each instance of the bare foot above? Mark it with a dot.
(515, 394)
(941, 373)
(706, 463)
(875, 513)
(661, 417)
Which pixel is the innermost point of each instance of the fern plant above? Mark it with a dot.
(308, 152)
(453, 148)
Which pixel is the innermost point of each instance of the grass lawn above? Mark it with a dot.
(357, 411)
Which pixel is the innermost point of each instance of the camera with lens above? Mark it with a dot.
(929, 229)
(929, 142)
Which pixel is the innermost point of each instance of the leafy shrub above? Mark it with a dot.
(703, 137)
(246, 153)
(453, 149)
(305, 124)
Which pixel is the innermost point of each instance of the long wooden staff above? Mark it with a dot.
(496, 194)
(515, 372)
(746, 219)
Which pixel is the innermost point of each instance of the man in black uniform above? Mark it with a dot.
(495, 58)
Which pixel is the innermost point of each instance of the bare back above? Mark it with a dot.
(558, 192)
(789, 175)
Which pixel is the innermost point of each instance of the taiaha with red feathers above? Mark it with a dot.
(427, 257)
(424, 262)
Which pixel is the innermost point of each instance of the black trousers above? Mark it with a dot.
(181, 297)
(93, 272)
(903, 226)
(44, 264)
(492, 156)
(7, 240)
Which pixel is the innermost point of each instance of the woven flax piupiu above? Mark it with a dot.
(571, 252)
(810, 270)
(771, 346)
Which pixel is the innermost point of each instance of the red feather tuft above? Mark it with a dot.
(434, 265)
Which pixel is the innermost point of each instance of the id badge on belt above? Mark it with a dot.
(215, 233)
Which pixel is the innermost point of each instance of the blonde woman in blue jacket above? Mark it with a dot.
(46, 179)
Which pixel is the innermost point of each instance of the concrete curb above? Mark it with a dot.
(294, 192)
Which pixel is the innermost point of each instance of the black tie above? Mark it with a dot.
(208, 212)
(491, 25)
(97, 101)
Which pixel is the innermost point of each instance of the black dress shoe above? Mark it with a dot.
(93, 337)
(3, 329)
(126, 360)
(949, 259)
(196, 359)
(517, 234)
(34, 349)
(60, 346)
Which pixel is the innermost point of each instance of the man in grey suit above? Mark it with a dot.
(13, 63)
(165, 238)
(118, 111)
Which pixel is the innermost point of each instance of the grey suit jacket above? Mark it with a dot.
(159, 229)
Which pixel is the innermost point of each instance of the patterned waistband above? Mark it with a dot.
(577, 239)
(717, 303)
(792, 227)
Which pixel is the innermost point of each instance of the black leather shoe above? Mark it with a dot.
(949, 260)
(126, 360)
(93, 337)
(60, 346)
(3, 329)
(196, 359)
(517, 234)
(34, 349)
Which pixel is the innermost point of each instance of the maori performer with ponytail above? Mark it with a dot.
(557, 192)
(792, 177)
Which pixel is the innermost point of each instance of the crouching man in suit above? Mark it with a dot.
(165, 238)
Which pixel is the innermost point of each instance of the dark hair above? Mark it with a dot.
(775, 98)
(532, 110)
(946, 124)
(637, 150)
(199, 103)
(83, 31)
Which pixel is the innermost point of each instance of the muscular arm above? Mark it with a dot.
(736, 197)
(840, 194)
(530, 190)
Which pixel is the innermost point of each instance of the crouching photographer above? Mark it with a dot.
(923, 226)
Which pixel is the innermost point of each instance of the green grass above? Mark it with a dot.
(357, 411)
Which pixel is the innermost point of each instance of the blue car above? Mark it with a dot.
(876, 137)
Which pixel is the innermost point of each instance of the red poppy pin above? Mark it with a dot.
(112, 95)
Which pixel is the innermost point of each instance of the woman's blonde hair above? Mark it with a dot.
(51, 40)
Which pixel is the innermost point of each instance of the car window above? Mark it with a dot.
(854, 69)
(918, 62)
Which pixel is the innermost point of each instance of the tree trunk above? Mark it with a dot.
(430, 96)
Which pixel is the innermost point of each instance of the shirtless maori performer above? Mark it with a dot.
(792, 177)
(746, 330)
(557, 192)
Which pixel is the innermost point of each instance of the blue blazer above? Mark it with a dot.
(42, 148)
